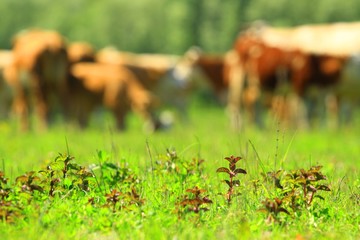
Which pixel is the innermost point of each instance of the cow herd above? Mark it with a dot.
(288, 72)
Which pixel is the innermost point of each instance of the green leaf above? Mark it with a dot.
(110, 165)
(73, 166)
(67, 182)
(103, 156)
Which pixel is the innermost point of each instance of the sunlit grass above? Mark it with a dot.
(207, 137)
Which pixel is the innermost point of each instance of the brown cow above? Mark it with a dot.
(316, 86)
(331, 48)
(256, 70)
(165, 76)
(93, 84)
(208, 73)
(316, 55)
(115, 87)
(38, 74)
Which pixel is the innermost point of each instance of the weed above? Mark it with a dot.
(28, 182)
(295, 190)
(123, 201)
(193, 201)
(306, 182)
(272, 208)
(232, 171)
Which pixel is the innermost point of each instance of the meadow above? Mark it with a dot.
(184, 183)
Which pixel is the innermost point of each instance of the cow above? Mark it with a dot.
(320, 62)
(38, 74)
(208, 73)
(165, 76)
(333, 46)
(256, 71)
(115, 87)
(95, 84)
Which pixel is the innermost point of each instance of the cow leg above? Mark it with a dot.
(41, 107)
(21, 110)
(83, 115)
(20, 101)
(143, 105)
(236, 85)
(345, 112)
(120, 118)
(297, 111)
(332, 111)
(255, 98)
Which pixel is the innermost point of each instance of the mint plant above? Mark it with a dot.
(232, 171)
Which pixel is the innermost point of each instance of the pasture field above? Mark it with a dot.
(143, 186)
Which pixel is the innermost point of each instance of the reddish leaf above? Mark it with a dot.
(283, 210)
(195, 190)
(223, 169)
(22, 179)
(206, 200)
(323, 188)
(240, 170)
(36, 187)
(278, 201)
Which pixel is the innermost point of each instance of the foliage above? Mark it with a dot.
(295, 191)
(166, 26)
(232, 171)
(195, 201)
(122, 192)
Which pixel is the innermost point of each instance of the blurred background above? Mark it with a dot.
(163, 26)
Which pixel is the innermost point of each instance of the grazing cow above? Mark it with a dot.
(79, 102)
(92, 84)
(322, 55)
(256, 70)
(165, 76)
(208, 73)
(333, 46)
(38, 74)
(115, 87)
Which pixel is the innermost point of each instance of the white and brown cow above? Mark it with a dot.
(317, 63)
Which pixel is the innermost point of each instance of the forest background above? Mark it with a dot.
(164, 26)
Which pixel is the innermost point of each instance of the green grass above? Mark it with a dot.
(68, 215)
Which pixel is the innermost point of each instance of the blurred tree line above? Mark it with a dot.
(164, 26)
